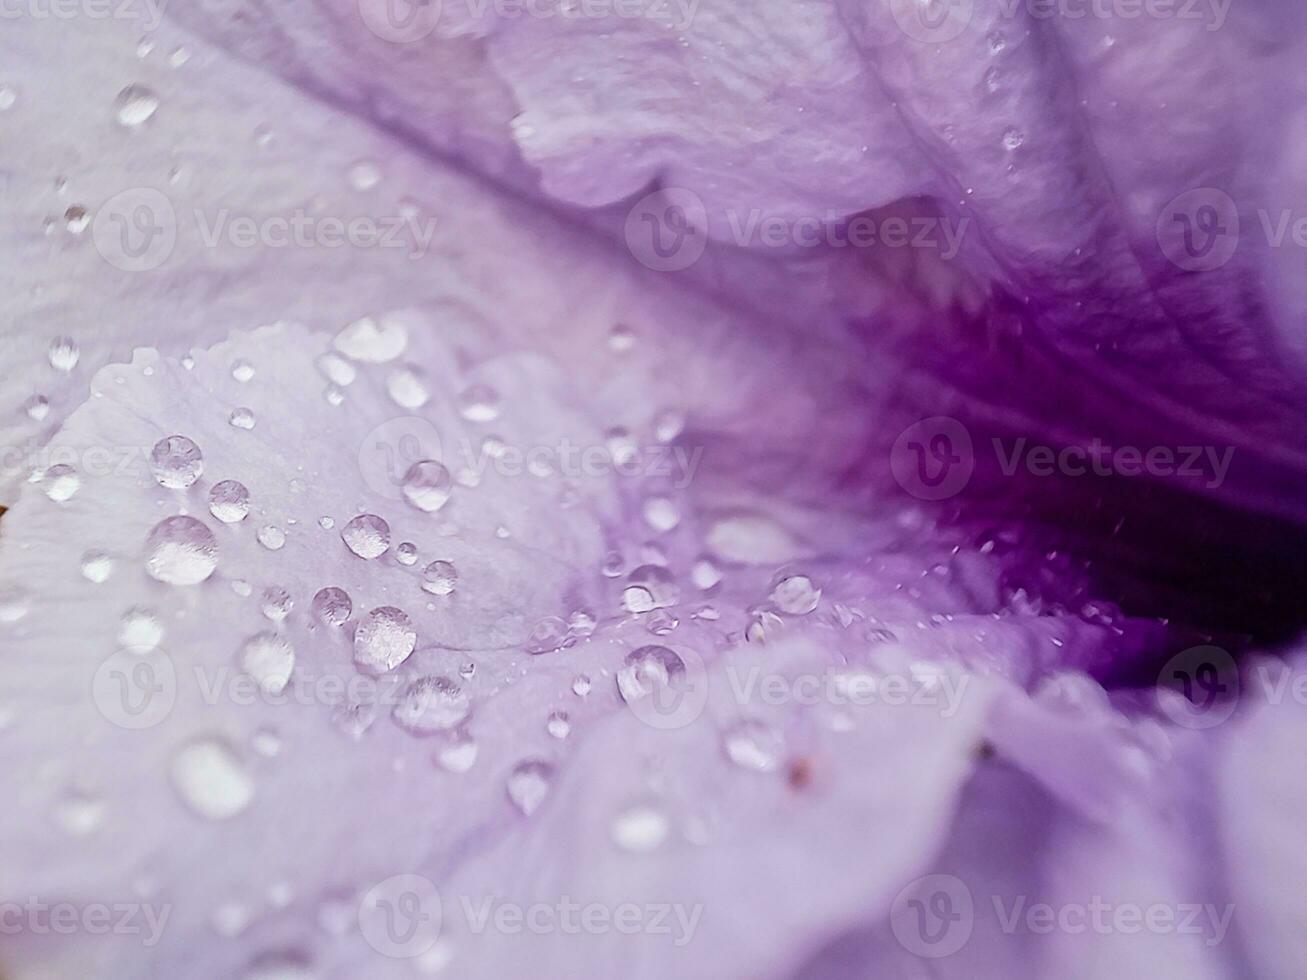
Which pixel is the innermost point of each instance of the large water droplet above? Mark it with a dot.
(181, 551)
(427, 485)
(430, 705)
(529, 783)
(211, 780)
(647, 668)
(269, 659)
(384, 639)
(177, 462)
(332, 606)
(229, 501)
(367, 535)
(135, 105)
(649, 587)
(796, 595)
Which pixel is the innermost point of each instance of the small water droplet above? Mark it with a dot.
(384, 639)
(242, 418)
(271, 537)
(177, 462)
(332, 606)
(479, 403)
(705, 574)
(661, 514)
(581, 685)
(754, 745)
(8, 96)
(1013, 138)
(547, 635)
(367, 536)
(181, 551)
(61, 483)
(457, 753)
(211, 780)
(64, 353)
(640, 829)
(79, 814)
(430, 705)
(649, 587)
(408, 387)
(242, 370)
(276, 603)
(646, 669)
(406, 553)
(337, 370)
(364, 175)
(229, 501)
(269, 659)
(37, 407)
(796, 595)
(97, 566)
(621, 338)
(140, 630)
(558, 725)
(427, 485)
(529, 783)
(440, 578)
(135, 105)
(373, 341)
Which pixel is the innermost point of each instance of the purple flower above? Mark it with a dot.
(652, 488)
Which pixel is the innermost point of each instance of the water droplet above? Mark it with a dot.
(269, 659)
(641, 828)
(135, 105)
(353, 719)
(241, 418)
(276, 603)
(64, 354)
(621, 338)
(140, 630)
(384, 639)
(705, 574)
(581, 685)
(432, 704)
(229, 501)
(364, 175)
(646, 669)
(7, 98)
(479, 403)
(408, 387)
(271, 537)
(61, 482)
(661, 622)
(181, 551)
(649, 587)
(332, 606)
(79, 814)
(367, 535)
(1013, 138)
(211, 780)
(754, 745)
(547, 635)
(37, 407)
(668, 424)
(440, 578)
(661, 514)
(14, 603)
(242, 370)
(796, 595)
(373, 341)
(558, 725)
(337, 370)
(177, 462)
(457, 753)
(266, 742)
(528, 784)
(76, 220)
(406, 553)
(427, 485)
(97, 566)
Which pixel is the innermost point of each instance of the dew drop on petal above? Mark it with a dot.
(649, 587)
(269, 659)
(621, 338)
(7, 98)
(61, 483)
(406, 553)
(661, 514)
(64, 353)
(558, 725)
(271, 537)
(372, 340)
(547, 635)
(796, 595)
(332, 606)
(457, 753)
(430, 705)
(242, 371)
(705, 574)
(37, 407)
(384, 639)
(14, 603)
(181, 551)
(367, 536)
(479, 403)
(276, 603)
(581, 685)
(229, 501)
(647, 668)
(440, 578)
(177, 462)
(364, 175)
(529, 783)
(241, 418)
(211, 780)
(140, 630)
(97, 566)
(408, 387)
(79, 814)
(754, 745)
(135, 105)
(639, 829)
(427, 485)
